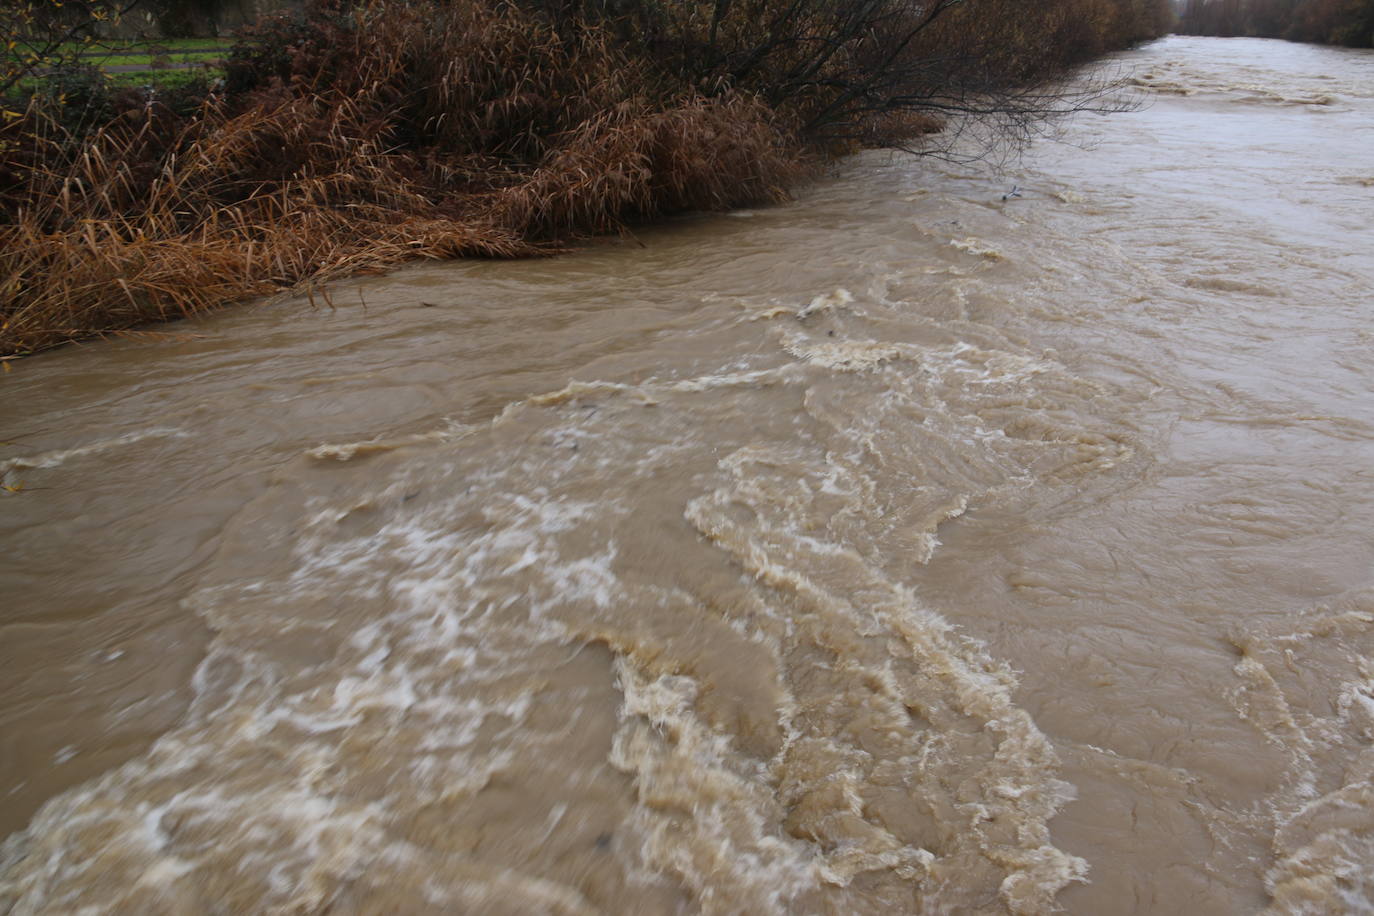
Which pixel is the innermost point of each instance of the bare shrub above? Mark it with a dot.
(856, 72)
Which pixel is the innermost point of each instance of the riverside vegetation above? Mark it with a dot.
(353, 137)
(1336, 22)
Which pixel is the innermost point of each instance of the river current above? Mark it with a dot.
(916, 547)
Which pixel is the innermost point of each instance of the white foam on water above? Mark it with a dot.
(53, 459)
(760, 377)
(875, 633)
(830, 302)
(374, 654)
(1322, 816)
(703, 817)
(347, 451)
(293, 834)
(978, 247)
(845, 355)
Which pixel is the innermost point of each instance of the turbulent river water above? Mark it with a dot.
(905, 549)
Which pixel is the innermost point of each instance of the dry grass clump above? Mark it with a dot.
(398, 132)
(109, 243)
(105, 275)
(634, 162)
(138, 227)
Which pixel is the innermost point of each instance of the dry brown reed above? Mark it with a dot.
(422, 132)
(102, 246)
(634, 162)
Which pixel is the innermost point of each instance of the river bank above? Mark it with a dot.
(358, 138)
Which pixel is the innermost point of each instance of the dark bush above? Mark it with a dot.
(77, 97)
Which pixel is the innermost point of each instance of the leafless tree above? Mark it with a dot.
(45, 33)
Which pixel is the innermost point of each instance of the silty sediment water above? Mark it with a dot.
(911, 548)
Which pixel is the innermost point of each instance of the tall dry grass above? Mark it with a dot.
(103, 241)
(407, 131)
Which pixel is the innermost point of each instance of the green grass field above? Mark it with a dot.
(149, 53)
(166, 79)
(146, 59)
(169, 63)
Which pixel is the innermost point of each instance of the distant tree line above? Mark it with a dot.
(1340, 22)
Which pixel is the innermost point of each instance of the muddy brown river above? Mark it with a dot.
(904, 549)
